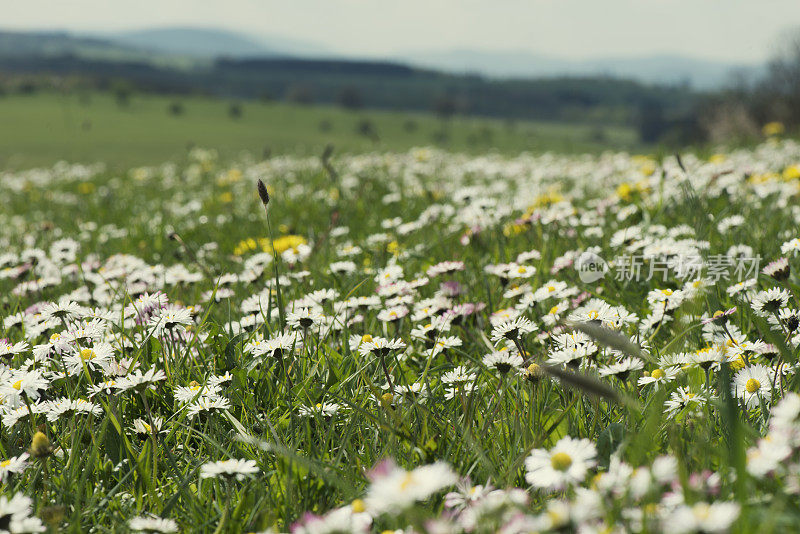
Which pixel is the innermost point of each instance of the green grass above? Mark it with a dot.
(42, 129)
(413, 211)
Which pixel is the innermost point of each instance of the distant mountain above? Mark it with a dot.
(188, 47)
(659, 69)
(49, 43)
(210, 43)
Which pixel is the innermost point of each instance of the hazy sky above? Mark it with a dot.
(735, 30)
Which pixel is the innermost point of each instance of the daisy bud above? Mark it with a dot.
(387, 399)
(533, 373)
(40, 446)
(262, 192)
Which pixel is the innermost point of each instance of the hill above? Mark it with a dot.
(201, 43)
(658, 69)
(184, 45)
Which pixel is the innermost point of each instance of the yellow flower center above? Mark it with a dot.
(358, 506)
(667, 292)
(658, 373)
(701, 511)
(5, 463)
(407, 480)
(550, 289)
(752, 385)
(593, 314)
(87, 354)
(718, 313)
(17, 385)
(366, 338)
(553, 310)
(522, 270)
(560, 461)
(54, 338)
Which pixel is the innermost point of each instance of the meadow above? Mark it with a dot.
(399, 341)
(44, 128)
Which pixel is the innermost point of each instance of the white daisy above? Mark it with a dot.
(563, 466)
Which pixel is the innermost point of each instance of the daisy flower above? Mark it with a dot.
(234, 468)
(743, 286)
(502, 361)
(791, 247)
(444, 268)
(778, 269)
(12, 415)
(753, 384)
(459, 374)
(169, 319)
(194, 391)
(622, 368)
(95, 357)
(512, 330)
(342, 267)
(277, 346)
(141, 381)
(552, 289)
(65, 407)
(13, 466)
(520, 271)
(659, 377)
(563, 466)
(140, 426)
(9, 350)
(445, 342)
(324, 409)
(304, 318)
(769, 301)
(64, 310)
(16, 515)
(351, 518)
(380, 346)
(84, 334)
(572, 356)
(459, 389)
(700, 517)
(207, 404)
(683, 400)
(393, 489)
(390, 315)
(23, 383)
(152, 524)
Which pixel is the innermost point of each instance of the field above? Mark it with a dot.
(390, 341)
(45, 128)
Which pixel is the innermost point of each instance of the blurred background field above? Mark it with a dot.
(43, 128)
(112, 84)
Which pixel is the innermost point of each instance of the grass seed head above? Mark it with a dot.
(262, 192)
